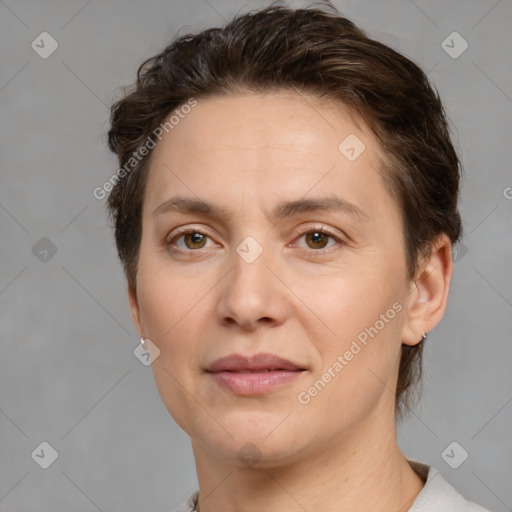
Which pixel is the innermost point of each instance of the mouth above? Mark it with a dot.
(262, 362)
(258, 371)
(254, 375)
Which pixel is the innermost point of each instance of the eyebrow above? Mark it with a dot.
(283, 210)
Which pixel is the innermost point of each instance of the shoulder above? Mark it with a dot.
(438, 495)
(189, 505)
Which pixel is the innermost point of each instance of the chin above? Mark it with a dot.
(252, 452)
(256, 439)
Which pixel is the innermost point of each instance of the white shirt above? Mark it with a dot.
(437, 495)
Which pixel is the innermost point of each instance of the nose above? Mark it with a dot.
(251, 294)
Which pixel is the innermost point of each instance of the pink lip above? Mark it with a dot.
(257, 362)
(253, 375)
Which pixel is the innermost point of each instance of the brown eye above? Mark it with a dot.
(188, 240)
(318, 239)
(197, 240)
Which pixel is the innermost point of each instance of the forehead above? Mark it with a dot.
(234, 148)
(281, 120)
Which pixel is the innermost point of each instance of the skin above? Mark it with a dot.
(303, 300)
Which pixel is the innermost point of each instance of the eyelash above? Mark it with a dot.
(185, 231)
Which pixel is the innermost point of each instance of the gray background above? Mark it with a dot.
(68, 372)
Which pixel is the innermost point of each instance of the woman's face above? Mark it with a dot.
(323, 288)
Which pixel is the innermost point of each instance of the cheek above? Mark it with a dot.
(169, 310)
(166, 299)
(364, 316)
(355, 301)
(174, 312)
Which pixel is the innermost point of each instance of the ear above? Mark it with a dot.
(428, 295)
(134, 308)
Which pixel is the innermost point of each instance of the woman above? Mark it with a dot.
(284, 211)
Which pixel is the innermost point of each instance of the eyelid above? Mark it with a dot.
(322, 228)
(178, 232)
(318, 227)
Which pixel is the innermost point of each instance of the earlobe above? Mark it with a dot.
(429, 292)
(134, 308)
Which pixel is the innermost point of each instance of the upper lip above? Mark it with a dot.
(257, 362)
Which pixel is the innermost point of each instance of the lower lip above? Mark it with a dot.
(248, 384)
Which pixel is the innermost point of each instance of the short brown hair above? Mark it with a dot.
(316, 52)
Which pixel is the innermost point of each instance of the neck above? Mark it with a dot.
(360, 471)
